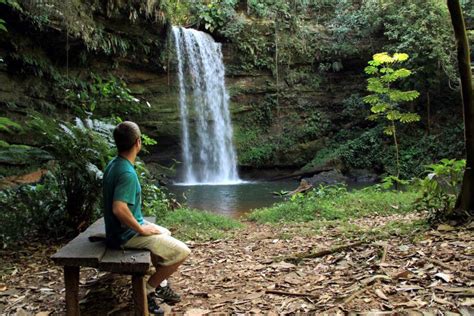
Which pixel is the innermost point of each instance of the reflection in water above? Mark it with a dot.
(231, 200)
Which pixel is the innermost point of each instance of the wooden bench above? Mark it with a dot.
(81, 252)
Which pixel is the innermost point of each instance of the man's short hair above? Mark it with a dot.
(125, 135)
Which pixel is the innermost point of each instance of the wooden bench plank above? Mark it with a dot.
(125, 261)
(81, 252)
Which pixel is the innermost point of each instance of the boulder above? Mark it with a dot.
(327, 177)
(363, 176)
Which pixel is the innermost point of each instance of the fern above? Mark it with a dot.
(81, 150)
(8, 126)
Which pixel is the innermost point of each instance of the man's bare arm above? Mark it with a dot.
(121, 210)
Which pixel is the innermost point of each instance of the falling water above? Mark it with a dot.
(210, 158)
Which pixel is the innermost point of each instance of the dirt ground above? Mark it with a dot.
(429, 274)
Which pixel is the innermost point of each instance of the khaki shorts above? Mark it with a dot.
(167, 248)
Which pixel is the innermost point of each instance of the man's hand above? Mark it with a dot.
(148, 230)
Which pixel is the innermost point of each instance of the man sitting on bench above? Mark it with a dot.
(124, 223)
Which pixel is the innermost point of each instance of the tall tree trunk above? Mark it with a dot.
(465, 201)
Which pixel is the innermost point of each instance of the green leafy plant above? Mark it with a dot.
(18, 158)
(3, 28)
(439, 188)
(9, 126)
(385, 99)
(80, 150)
(33, 209)
(390, 182)
(215, 14)
(104, 96)
(156, 201)
(147, 141)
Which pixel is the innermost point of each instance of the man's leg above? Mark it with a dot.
(168, 254)
(162, 272)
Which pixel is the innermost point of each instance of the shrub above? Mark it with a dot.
(440, 188)
(33, 209)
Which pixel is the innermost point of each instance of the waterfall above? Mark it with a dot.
(208, 153)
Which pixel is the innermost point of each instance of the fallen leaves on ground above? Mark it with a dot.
(245, 274)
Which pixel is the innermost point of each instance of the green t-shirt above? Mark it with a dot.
(120, 183)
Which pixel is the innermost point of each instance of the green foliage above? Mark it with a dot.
(68, 198)
(109, 44)
(355, 149)
(233, 28)
(16, 157)
(27, 63)
(147, 141)
(103, 97)
(390, 182)
(265, 141)
(177, 11)
(30, 210)
(440, 189)
(8, 126)
(3, 28)
(423, 30)
(354, 108)
(188, 224)
(252, 147)
(315, 124)
(81, 151)
(468, 10)
(358, 148)
(22, 155)
(268, 8)
(335, 203)
(215, 14)
(156, 201)
(272, 35)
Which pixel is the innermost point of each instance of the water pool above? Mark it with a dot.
(231, 200)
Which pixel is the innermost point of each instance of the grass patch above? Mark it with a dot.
(189, 224)
(336, 203)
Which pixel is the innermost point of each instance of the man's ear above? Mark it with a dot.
(139, 143)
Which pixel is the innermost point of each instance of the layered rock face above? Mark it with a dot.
(284, 107)
(54, 48)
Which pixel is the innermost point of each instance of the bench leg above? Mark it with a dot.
(71, 280)
(139, 295)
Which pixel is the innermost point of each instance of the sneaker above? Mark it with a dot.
(167, 295)
(153, 307)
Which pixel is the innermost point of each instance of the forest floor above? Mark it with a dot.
(425, 273)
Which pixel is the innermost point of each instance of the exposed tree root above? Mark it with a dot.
(299, 257)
